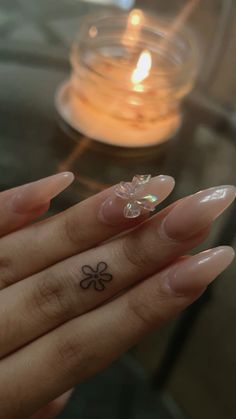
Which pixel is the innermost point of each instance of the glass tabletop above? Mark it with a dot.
(36, 142)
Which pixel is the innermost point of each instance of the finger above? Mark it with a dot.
(80, 283)
(76, 286)
(71, 232)
(21, 205)
(83, 346)
(52, 410)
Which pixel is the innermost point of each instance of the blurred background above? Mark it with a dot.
(188, 368)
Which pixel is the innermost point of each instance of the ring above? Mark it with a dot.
(131, 192)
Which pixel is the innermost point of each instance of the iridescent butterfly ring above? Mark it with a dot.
(131, 193)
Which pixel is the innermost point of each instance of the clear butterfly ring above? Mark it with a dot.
(131, 192)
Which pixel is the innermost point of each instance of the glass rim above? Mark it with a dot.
(158, 26)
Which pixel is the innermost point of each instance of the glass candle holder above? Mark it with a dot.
(130, 73)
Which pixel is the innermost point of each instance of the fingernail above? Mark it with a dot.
(29, 197)
(66, 396)
(197, 212)
(112, 210)
(197, 272)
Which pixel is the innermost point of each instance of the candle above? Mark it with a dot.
(127, 83)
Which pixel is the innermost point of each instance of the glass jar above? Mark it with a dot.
(108, 101)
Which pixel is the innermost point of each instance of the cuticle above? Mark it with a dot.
(172, 272)
(163, 235)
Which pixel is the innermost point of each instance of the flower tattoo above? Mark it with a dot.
(95, 278)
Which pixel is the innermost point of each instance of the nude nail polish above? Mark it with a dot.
(197, 212)
(197, 272)
(29, 197)
(112, 210)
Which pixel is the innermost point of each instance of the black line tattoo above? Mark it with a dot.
(96, 278)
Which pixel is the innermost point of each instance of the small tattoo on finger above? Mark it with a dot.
(96, 278)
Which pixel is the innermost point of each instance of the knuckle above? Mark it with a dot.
(141, 312)
(71, 353)
(138, 250)
(73, 230)
(149, 308)
(53, 298)
(7, 275)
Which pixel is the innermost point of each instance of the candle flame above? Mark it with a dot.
(143, 68)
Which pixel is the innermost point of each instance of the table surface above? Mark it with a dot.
(35, 142)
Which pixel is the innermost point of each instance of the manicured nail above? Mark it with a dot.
(197, 212)
(129, 200)
(197, 272)
(64, 398)
(29, 197)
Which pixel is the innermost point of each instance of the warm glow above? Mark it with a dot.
(134, 25)
(135, 17)
(143, 68)
(93, 32)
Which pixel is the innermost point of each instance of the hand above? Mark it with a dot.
(80, 288)
(19, 207)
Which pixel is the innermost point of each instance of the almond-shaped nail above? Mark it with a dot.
(130, 200)
(196, 273)
(197, 212)
(31, 196)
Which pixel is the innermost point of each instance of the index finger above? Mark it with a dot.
(21, 205)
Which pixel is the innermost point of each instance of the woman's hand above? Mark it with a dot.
(80, 288)
(19, 207)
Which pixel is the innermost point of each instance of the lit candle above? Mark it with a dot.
(126, 84)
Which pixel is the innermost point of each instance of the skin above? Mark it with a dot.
(56, 331)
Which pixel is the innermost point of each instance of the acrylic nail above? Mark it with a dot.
(33, 195)
(197, 212)
(197, 272)
(112, 210)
